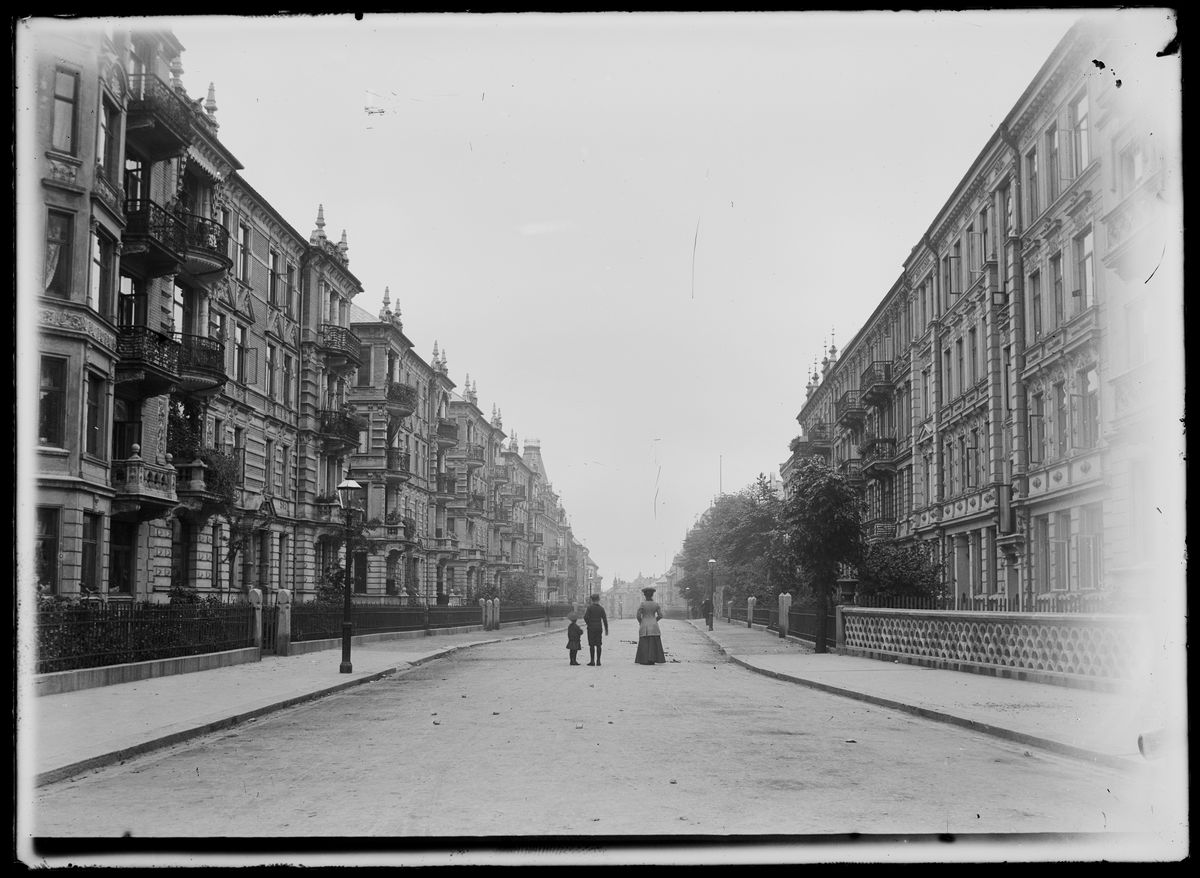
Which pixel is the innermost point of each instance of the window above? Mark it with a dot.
(1035, 307)
(1031, 184)
(1089, 543)
(1007, 378)
(289, 291)
(122, 555)
(1062, 551)
(108, 147)
(1037, 428)
(947, 377)
(956, 269)
(364, 372)
(286, 455)
(1086, 409)
(1085, 294)
(46, 550)
(242, 260)
(1056, 278)
(926, 383)
(287, 378)
(239, 354)
(60, 228)
(985, 240)
(93, 420)
(269, 468)
(1060, 418)
(127, 428)
(52, 402)
(275, 281)
(66, 96)
(239, 453)
(962, 372)
(131, 302)
(100, 284)
(271, 370)
(1131, 168)
(360, 573)
(1041, 554)
(1080, 134)
(973, 335)
(1052, 163)
(89, 561)
(135, 181)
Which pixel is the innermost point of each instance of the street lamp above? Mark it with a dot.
(347, 491)
(712, 591)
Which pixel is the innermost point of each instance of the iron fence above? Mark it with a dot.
(317, 621)
(93, 635)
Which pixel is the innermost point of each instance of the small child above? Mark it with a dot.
(574, 635)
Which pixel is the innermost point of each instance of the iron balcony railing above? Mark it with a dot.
(851, 469)
(849, 407)
(150, 95)
(196, 352)
(876, 449)
(501, 472)
(515, 492)
(152, 222)
(397, 461)
(208, 235)
(143, 344)
(342, 424)
(876, 380)
(447, 429)
(447, 483)
(340, 340)
(470, 454)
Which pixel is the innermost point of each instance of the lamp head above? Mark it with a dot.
(347, 492)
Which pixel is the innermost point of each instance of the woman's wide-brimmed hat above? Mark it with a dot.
(648, 592)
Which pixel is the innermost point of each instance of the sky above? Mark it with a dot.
(635, 233)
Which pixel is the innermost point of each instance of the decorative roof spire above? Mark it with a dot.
(342, 247)
(319, 232)
(210, 104)
(385, 313)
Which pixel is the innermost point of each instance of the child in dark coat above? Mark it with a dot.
(574, 635)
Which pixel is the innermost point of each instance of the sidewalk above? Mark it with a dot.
(1097, 726)
(78, 731)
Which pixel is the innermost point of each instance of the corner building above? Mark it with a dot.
(1013, 402)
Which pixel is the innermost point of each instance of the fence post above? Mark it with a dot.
(547, 614)
(496, 612)
(785, 607)
(256, 601)
(283, 631)
(750, 612)
(483, 613)
(840, 629)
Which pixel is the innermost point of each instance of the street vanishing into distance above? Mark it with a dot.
(508, 739)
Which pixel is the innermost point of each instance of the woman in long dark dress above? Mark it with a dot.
(649, 651)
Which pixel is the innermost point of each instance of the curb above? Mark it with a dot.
(55, 775)
(1105, 759)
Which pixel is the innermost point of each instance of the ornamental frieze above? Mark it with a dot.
(70, 320)
(61, 170)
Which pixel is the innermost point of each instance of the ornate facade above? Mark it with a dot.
(1014, 400)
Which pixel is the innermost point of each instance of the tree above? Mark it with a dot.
(741, 533)
(822, 521)
(519, 589)
(887, 570)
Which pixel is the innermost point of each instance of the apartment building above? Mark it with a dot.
(1013, 402)
(205, 382)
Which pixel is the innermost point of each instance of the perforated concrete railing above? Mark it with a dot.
(1105, 647)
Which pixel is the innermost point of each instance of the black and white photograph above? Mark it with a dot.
(814, 381)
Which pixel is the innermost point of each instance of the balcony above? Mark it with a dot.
(476, 505)
(341, 347)
(470, 456)
(397, 468)
(208, 478)
(875, 385)
(207, 250)
(400, 527)
(158, 124)
(515, 492)
(878, 456)
(880, 529)
(155, 240)
(447, 485)
(538, 538)
(851, 470)
(149, 362)
(445, 434)
(849, 411)
(443, 543)
(201, 365)
(340, 429)
(537, 506)
(144, 491)
(401, 399)
(501, 473)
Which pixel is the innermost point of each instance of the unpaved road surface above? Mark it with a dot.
(508, 740)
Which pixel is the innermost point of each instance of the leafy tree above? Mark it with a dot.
(822, 521)
(887, 570)
(741, 532)
(519, 589)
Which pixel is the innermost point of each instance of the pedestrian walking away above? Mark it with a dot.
(708, 612)
(596, 621)
(574, 635)
(649, 651)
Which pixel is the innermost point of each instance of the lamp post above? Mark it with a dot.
(712, 591)
(347, 491)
